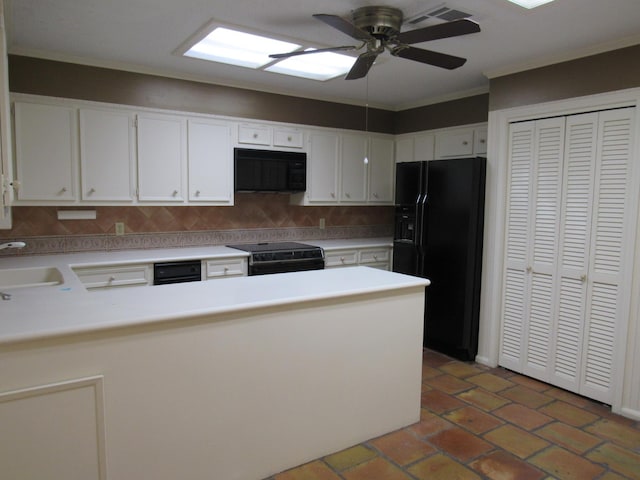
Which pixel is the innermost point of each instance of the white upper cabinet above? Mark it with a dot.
(353, 150)
(107, 155)
(458, 143)
(322, 167)
(381, 171)
(46, 152)
(210, 162)
(161, 158)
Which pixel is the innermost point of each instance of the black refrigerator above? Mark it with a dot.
(439, 219)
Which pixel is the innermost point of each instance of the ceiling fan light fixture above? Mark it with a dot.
(530, 3)
(238, 48)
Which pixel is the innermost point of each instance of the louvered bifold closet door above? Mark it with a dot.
(515, 299)
(612, 240)
(533, 213)
(573, 263)
(547, 193)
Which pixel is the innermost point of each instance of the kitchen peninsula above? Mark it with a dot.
(196, 378)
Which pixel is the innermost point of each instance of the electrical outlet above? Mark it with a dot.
(322, 224)
(119, 228)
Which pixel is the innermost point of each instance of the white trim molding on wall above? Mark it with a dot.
(627, 367)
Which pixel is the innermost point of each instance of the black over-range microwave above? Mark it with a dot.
(269, 171)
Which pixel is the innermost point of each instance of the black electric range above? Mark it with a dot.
(281, 257)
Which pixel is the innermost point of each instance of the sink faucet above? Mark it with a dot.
(12, 245)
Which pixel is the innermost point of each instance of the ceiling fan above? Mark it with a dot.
(378, 28)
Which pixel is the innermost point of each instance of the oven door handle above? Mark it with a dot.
(285, 260)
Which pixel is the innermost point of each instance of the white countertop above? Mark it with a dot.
(68, 308)
(41, 312)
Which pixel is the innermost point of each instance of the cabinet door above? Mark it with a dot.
(106, 155)
(353, 151)
(381, 171)
(322, 167)
(424, 146)
(161, 158)
(453, 144)
(210, 162)
(610, 261)
(46, 152)
(404, 149)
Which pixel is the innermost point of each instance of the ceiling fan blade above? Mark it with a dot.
(454, 28)
(362, 66)
(317, 50)
(344, 26)
(429, 57)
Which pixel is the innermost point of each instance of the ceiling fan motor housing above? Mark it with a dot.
(380, 22)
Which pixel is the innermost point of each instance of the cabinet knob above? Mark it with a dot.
(342, 259)
(111, 279)
(375, 195)
(226, 269)
(583, 278)
(348, 195)
(175, 193)
(482, 140)
(529, 269)
(92, 191)
(289, 139)
(465, 143)
(197, 193)
(63, 189)
(333, 195)
(255, 135)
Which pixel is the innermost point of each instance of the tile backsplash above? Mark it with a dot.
(254, 217)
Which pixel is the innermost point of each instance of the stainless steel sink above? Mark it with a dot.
(29, 277)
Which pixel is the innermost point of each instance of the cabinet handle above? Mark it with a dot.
(342, 259)
(348, 195)
(289, 139)
(375, 195)
(175, 193)
(529, 269)
(375, 257)
(197, 193)
(255, 135)
(482, 140)
(63, 190)
(333, 195)
(465, 143)
(92, 191)
(111, 279)
(583, 278)
(226, 269)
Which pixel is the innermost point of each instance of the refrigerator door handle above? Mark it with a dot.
(422, 238)
(418, 223)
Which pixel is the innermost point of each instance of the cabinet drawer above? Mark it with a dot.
(288, 138)
(229, 267)
(374, 256)
(254, 134)
(107, 277)
(343, 257)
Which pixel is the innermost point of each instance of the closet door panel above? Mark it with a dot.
(547, 191)
(515, 301)
(575, 233)
(607, 299)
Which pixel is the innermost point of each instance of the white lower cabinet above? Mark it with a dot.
(102, 277)
(57, 431)
(227, 267)
(569, 250)
(377, 257)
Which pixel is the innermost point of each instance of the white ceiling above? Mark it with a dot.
(141, 35)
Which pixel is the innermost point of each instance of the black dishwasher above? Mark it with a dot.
(177, 272)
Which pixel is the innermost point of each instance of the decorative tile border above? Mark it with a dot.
(97, 243)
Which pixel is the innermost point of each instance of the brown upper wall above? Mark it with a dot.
(69, 80)
(605, 72)
(441, 115)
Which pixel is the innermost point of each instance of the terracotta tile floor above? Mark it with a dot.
(484, 423)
